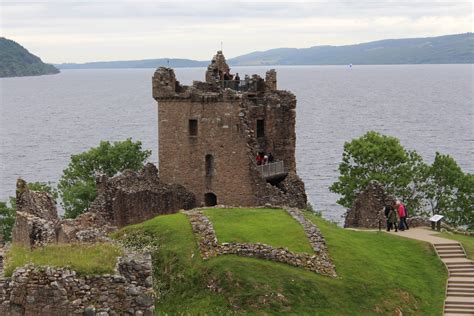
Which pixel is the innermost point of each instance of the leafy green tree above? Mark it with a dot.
(77, 185)
(7, 219)
(378, 157)
(450, 192)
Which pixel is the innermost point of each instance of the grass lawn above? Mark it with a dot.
(85, 259)
(379, 274)
(466, 241)
(273, 227)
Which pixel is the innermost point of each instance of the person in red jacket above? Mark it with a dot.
(402, 214)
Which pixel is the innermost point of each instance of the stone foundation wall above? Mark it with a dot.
(60, 291)
(319, 262)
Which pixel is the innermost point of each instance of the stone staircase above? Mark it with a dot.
(460, 287)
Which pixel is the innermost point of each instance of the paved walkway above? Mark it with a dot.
(460, 286)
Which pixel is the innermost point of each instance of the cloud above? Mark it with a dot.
(103, 30)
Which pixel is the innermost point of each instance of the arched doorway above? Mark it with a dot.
(210, 199)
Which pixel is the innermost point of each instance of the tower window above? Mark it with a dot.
(260, 128)
(193, 127)
(209, 165)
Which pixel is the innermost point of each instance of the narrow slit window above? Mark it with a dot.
(209, 165)
(193, 127)
(260, 128)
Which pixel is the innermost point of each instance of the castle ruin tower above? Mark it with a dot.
(210, 134)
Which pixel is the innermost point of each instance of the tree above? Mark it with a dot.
(450, 192)
(378, 157)
(77, 185)
(7, 219)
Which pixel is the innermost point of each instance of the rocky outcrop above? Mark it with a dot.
(133, 197)
(36, 290)
(367, 209)
(318, 262)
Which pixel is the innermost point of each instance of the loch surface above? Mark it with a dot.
(43, 120)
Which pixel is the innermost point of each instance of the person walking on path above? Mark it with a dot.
(402, 215)
(391, 216)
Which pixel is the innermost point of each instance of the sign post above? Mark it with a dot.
(436, 222)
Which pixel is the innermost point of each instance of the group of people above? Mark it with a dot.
(263, 159)
(396, 216)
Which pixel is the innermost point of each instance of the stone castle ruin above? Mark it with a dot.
(211, 132)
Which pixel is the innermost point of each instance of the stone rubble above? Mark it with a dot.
(319, 262)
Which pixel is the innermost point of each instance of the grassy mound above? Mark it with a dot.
(466, 241)
(85, 259)
(379, 274)
(273, 227)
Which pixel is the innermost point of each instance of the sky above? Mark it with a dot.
(80, 31)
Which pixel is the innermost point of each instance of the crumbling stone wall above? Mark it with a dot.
(129, 198)
(50, 291)
(36, 217)
(367, 209)
(134, 197)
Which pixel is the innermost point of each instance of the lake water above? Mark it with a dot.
(43, 120)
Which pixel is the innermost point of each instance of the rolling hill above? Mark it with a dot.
(448, 49)
(16, 61)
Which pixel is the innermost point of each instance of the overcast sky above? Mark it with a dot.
(80, 31)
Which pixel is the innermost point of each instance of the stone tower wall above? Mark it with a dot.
(220, 134)
(278, 112)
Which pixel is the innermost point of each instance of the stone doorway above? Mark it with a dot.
(210, 199)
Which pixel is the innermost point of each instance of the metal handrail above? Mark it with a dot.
(238, 85)
(271, 169)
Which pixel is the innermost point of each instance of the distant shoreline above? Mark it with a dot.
(447, 49)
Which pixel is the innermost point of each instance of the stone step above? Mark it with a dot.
(464, 303)
(461, 286)
(460, 290)
(466, 309)
(460, 294)
(451, 252)
(448, 248)
(459, 263)
(454, 282)
(446, 244)
(460, 266)
(452, 256)
(465, 275)
(448, 312)
(470, 270)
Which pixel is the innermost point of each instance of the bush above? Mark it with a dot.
(382, 158)
(442, 186)
(77, 185)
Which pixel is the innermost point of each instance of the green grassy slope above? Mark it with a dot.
(378, 275)
(273, 227)
(85, 259)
